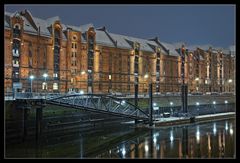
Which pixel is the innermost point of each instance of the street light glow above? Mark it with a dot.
(230, 81)
(197, 103)
(197, 79)
(225, 101)
(45, 75)
(171, 103)
(83, 72)
(31, 77)
(154, 104)
(146, 76)
(81, 92)
(214, 102)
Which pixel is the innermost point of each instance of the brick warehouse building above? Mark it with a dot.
(92, 59)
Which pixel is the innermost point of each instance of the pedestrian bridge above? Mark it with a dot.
(98, 103)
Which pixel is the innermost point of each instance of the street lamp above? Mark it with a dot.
(45, 75)
(226, 102)
(171, 103)
(214, 103)
(197, 104)
(31, 78)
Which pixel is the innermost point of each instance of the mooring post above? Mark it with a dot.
(150, 105)
(25, 119)
(38, 122)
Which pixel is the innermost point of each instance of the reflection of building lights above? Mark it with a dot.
(226, 126)
(109, 77)
(154, 104)
(154, 140)
(146, 147)
(198, 134)
(171, 136)
(225, 101)
(158, 147)
(81, 92)
(230, 81)
(214, 129)
(214, 102)
(231, 131)
(146, 76)
(197, 103)
(123, 151)
(197, 79)
(171, 103)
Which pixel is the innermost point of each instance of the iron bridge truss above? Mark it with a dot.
(99, 103)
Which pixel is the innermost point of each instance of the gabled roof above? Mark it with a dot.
(121, 42)
(7, 19)
(143, 43)
(171, 48)
(51, 20)
(102, 38)
(85, 27)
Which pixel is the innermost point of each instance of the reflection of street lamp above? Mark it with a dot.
(31, 78)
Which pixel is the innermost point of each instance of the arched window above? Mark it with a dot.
(16, 30)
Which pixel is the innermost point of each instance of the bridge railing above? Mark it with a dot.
(98, 102)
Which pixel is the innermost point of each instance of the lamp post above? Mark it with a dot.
(31, 78)
(197, 104)
(229, 85)
(226, 102)
(45, 75)
(214, 103)
(171, 103)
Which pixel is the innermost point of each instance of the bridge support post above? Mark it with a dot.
(25, 119)
(184, 98)
(38, 122)
(150, 105)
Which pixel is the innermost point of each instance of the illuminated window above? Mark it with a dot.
(55, 86)
(44, 86)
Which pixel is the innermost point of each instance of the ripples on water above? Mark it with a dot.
(205, 140)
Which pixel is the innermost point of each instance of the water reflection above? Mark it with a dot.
(206, 140)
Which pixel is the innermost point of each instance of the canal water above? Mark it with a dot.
(203, 140)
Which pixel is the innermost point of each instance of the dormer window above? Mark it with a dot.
(16, 30)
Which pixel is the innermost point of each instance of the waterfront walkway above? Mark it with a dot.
(186, 120)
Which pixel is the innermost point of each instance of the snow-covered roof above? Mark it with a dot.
(102, 38)
(121, 42)
(171, 48)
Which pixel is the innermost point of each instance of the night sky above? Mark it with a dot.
(192, 24)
